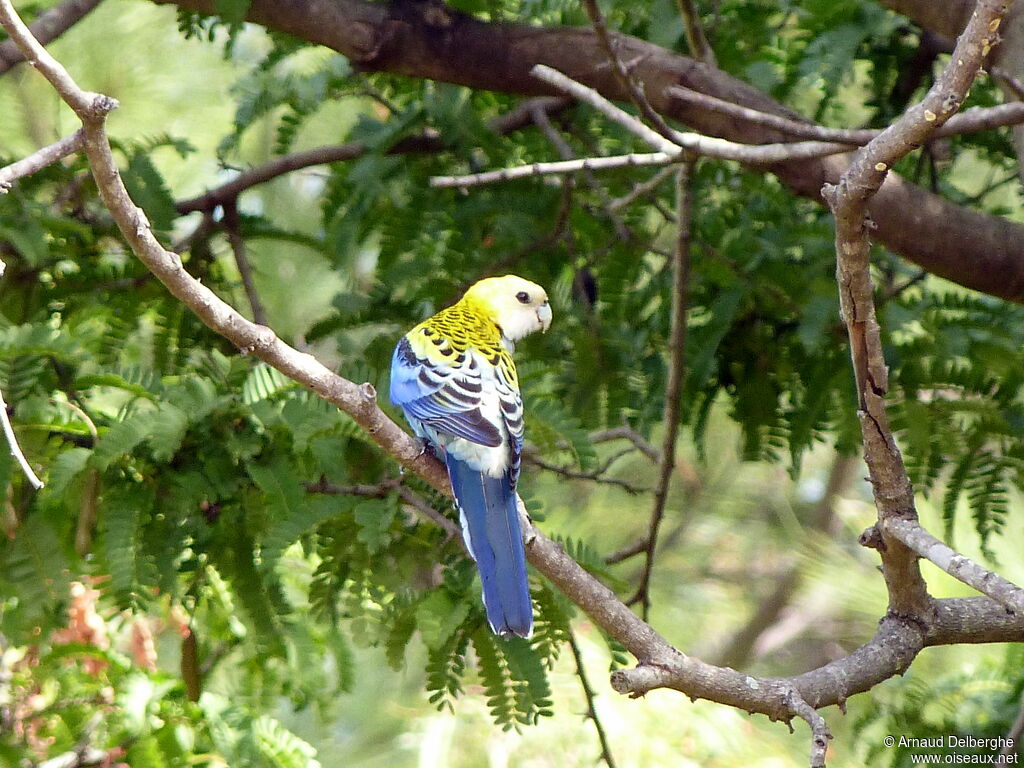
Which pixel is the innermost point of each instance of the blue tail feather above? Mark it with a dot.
(490, 524)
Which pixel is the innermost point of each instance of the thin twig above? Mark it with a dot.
(588, 693)
(627, 433)
(420, 504)
(428, 141)
(555, 168)
(631, 550)
(820, 734)
(561, 146)
(40, 159)
(759, 154)
(622, 74)
(234, 233)
(642, 189)
(969, 121)
(700, 48)
(1011, 81)
(12, 443)
(676, 375)
(47, 28)
(596, 476)
(956, 565)
(381, 490)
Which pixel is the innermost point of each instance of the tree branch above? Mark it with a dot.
(970, 121)
(40, 159)
(976, 250)
(47, 28)
(588, 693)
(622, 74)
(894, 646)
(558, 167)
(642, 189)
(15, 449)
(697, 41)
(820, 734)
(891, 486)
(595, 476)
(429, 141)
(762, 154)
(561, 146)
(381, 490)
(956, 565)
(232, 227)
(678, 299)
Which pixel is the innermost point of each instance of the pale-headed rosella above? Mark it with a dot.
(454, 378)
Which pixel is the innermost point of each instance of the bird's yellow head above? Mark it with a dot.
(517, 306)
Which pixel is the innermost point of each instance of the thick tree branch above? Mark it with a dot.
(420, 40)
(47, 28)
(893, 493)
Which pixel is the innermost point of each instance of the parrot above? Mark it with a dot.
(454, 380)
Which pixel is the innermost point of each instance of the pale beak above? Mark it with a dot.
(544, 316)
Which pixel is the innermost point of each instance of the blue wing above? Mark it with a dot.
(446, 400)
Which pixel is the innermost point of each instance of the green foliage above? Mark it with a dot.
(515, 683)
(981, 705)
(959, 374)
(183, 476)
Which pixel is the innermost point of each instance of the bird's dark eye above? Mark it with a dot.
(523, 297)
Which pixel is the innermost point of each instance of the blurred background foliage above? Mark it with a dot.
(191, 573)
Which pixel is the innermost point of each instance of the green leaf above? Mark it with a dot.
(29, 243)
(34, 568)
(438, 617)
(286, 530)
(149, 191)
(280, 747)
(374, 517)
(114, 380)
(65, 468)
